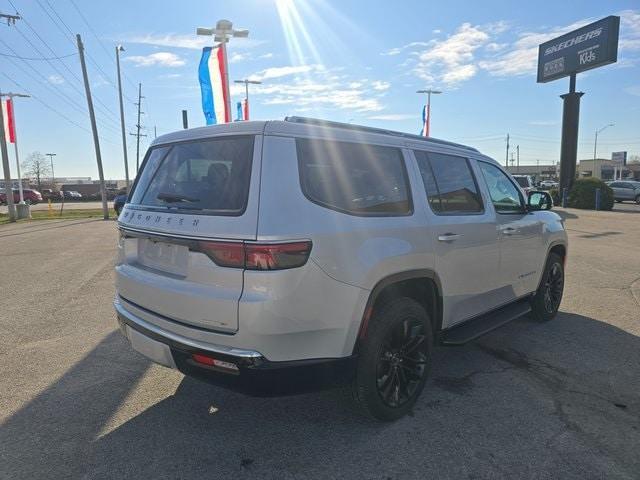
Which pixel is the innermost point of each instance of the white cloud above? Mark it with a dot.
(633, 90)
(236, 57)
(266, 55)
(397, 50)
(380, 86)
(451, 60)
(191, 41)
(55, 79)
(394, 117)
(314, 87)
(278, 72)
(165, 59)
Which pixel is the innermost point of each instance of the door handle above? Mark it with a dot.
(510, 231)
(449, 237)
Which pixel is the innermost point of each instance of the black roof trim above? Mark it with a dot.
(360, 128)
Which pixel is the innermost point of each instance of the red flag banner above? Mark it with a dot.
(9, 124)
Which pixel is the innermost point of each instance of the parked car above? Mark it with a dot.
(30, 196)
(119, 201)
(284, 256)
(70, 194)
(525, 182)
(548, 184)
(625, 190)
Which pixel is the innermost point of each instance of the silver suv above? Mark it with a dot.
(284, 256)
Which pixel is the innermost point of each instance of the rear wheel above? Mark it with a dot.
(394, 360)
(546, 301)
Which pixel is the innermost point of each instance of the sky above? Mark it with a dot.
(349, 61)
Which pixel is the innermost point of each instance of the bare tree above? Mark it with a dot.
(634, 159)
(36, 166)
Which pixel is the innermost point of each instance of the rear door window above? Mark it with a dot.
(354, 178)
(210, 175)
(450, 184)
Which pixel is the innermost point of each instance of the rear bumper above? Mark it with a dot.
(255, 375)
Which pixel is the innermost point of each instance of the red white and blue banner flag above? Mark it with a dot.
(425, 122)
(213, 86)
(9, 124)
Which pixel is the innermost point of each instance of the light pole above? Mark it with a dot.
(221, 33)
(429, 92)
(595, 148)
(120, 48)
(11, 96)
(246, 93)
(53, 177)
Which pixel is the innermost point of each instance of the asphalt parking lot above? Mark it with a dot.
(531, 400)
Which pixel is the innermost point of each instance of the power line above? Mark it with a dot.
(52, 88)
(106, 110)
(57, 112)
(36, 59)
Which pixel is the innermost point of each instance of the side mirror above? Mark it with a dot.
(539, 200)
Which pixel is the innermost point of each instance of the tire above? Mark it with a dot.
(638, 200)
(393, 361)
(547, 299)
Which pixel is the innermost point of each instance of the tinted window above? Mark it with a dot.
(505, 196)
(522, 181)
(615, 184)
(354, 178)
(449, 182)
(209, 175)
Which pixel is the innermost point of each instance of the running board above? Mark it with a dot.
(476, 327)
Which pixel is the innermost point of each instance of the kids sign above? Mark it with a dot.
(588, 47)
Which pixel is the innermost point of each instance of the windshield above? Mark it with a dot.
(211, 175)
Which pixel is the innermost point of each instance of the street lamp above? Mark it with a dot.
(221, 33)
(120, 48)
(428, 121)
(53, 177)
(246, 92)
(595, 148)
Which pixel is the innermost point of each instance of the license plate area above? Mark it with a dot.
(164, 256)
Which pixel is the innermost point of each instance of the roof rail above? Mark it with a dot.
(360, 128)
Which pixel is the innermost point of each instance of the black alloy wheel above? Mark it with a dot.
(402, 363)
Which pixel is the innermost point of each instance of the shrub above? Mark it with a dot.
(583, 194)
(555, 195)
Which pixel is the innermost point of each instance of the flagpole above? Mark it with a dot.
(15, 146)
(223, 45)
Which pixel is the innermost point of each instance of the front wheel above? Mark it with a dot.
(546, 301)
(394, 360)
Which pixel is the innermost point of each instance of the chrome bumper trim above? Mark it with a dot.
(236, 352)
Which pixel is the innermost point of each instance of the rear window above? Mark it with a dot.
(354, 178)
(522, 181)
(208, 175)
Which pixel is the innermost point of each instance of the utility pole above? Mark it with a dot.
(94, 129)
(518, 157)
(11, 19)
(119, 49)
(8, 188)
(246, 82)
(185, 120)
(53, 176)
(12, 121)
(429, 91)
(595, 149)
(138, 127)
(506, 158)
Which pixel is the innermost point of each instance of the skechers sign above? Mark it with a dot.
(588, 47)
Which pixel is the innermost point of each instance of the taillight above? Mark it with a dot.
(225, 254)
(257, 256)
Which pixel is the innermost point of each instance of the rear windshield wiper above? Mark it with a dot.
(175, 197)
